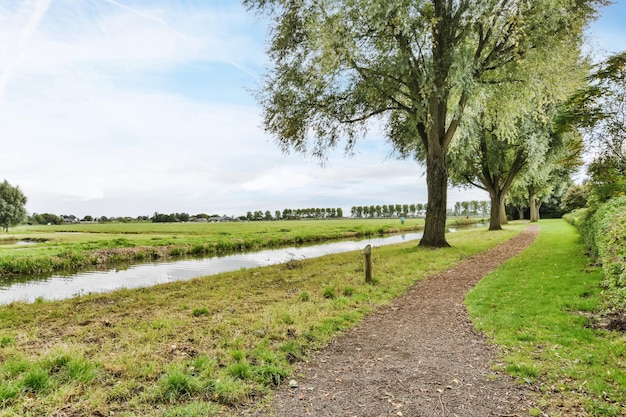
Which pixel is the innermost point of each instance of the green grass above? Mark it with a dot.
(67, 247)
(536, 306)
(156, 352)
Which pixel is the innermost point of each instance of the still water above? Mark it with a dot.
(143, 275)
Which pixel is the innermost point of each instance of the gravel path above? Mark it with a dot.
(418, 357)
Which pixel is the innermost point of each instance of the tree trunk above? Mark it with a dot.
(503, 219)
(437, 183)
(520, 212)
(533, 205)
(495, 220)
(538, 210)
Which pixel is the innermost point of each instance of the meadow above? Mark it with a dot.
(212, 345)
(199, 347)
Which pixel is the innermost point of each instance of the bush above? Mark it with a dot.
(604, 235)
(610, 240)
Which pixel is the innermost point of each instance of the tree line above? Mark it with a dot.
(388, 211)
(296, 214)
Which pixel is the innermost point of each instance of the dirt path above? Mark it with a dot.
(419, 357)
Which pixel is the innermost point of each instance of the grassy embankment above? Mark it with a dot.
(537, 307)
(69, 247)
(199, 347)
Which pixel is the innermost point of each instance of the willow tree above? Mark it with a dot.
(410, 64)
(510, 132)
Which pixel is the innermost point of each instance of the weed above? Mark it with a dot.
(238, 355)
(176, 384)
(8, 391)
(270, 374)
(292, 351)
(6, 341)
(197, 312)
(348, 291)
(304, 296)
(15, 366)
(230, 391)
(329, 293)
(35, 381)
(239, 370)
(287, 319)
(81, 370)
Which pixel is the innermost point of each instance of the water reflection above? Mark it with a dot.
(143, 275)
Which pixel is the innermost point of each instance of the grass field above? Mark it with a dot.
(537, 306)
(199, 347)
(73, 246)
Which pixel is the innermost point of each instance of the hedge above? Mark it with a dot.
(604, 234)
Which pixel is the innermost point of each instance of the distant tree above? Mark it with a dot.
(87, 219)
(474, 207)
(457, 208)
(37, 219)
(249, 216)
(420, 209)
(465, 206)
(268, 216)
(339, 212)
(12, 202)
(484, 208)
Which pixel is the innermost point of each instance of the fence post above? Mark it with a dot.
(368, 263)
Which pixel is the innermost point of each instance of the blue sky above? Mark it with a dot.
(127, 107)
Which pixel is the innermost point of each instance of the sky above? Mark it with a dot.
(131, 107)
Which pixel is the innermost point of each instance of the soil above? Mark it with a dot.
(418, 357)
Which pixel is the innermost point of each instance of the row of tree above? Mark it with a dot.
(295, 214)
(473, 90)
(388, 211)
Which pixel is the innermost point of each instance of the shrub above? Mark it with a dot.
(610, 241)
(604, 234)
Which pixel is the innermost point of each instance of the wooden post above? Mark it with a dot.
(368, 263)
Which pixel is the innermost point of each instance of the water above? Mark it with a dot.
(17, 242)
(144, 275)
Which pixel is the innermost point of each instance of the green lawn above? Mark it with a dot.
(536, 307)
